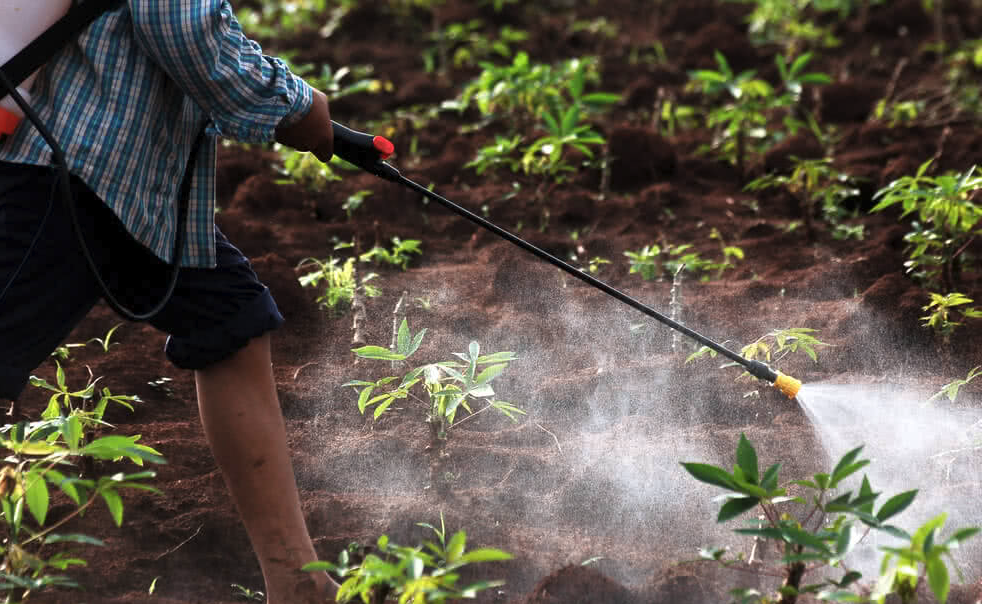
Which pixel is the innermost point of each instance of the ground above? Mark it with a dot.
(591, 473)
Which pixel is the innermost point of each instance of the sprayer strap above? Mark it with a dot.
(37, 53)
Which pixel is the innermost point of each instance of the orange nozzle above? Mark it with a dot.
(787, 385)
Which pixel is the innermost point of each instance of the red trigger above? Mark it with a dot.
(383, 146)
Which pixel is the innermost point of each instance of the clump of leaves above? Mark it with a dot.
(943, 309)
(818, 186)
(400, 254)
(947, 221)
(340, 282)
(741, 121)
(304, 169)
(662, 261)
(819, 539)
(789, 22)
(952, 388)
(42, 455)
(448, 386)
(773, 346)
(464, 44)
(425, 573)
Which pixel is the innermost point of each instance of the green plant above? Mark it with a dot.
(426, 573)
(464, 44)
(741, 122)
(399, 255)
(952, 388)
(942, 310)
(819, 534)
(40, 456)
(331, 81)
(304, 169)
(656, 261)
(947, 221)
(564, 129)
(448, 385)
(244, 593)
(340, 282)
(501, 153)
(106, 341)
(75, 403)
(773, 346)
(817, 185)
(354, 201)
(787, 22)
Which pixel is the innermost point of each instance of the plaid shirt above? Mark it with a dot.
(127, 99)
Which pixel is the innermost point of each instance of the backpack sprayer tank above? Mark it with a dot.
(21, 21)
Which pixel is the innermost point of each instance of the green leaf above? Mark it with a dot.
(115, 504)
(937, 578)
(736, 506)
(36, 493)
(710, 475)
(485, 555)
(456, 546)
(895, 505)
(73, 538)
(490, 373)
(747, 459)
(379, 353)
(403, 338)
(769, 481)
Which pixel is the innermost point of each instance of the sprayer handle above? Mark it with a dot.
(366, 151)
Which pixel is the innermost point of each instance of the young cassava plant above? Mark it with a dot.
(817, 537)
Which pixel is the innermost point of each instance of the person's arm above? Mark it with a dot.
(250, 97)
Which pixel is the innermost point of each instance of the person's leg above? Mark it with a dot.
(241, 416)
(219, 321)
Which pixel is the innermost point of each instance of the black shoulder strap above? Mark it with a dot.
(37, 53)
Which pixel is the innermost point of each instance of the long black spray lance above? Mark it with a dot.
(369, 153)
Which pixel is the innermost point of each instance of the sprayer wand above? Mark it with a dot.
(369, 153)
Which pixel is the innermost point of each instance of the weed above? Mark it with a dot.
(500, 154)
(340, 282)
(821, 537)
(947, 221)
(448, 385)
(464, 45)
(426, 573)
(787, 22)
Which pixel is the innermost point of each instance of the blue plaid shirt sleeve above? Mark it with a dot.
(201, 46)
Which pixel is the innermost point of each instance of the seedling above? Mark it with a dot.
(817, 185)
(425, 573)
(947, 221)
(952, 388)
(354, 201)
(463, 45)
(244, 593)
(741, 122)
(106, 342)
(399, 255)
(339, 280)
(304, 169)
(448, 385)
(659, 262)
(819, 538)
(38, 456)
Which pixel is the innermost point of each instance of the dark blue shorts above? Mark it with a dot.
(46, 287)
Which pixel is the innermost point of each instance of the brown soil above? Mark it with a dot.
(592, 470)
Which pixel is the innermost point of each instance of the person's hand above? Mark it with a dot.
(313, 132)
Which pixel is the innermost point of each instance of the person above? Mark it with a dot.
(126, 101)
